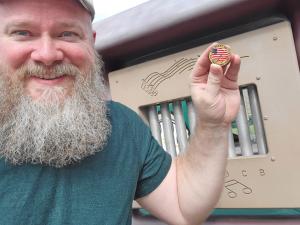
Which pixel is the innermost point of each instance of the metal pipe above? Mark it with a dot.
(257, 121)
(154, 123)
(231, 147)
(244, 135)
(192, 116)
(180, 126)
(168, 129)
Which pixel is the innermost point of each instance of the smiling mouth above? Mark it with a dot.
(49, 80)
(49, 77)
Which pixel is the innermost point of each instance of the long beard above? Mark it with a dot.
(49, 131)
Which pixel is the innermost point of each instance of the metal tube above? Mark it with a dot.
(168, 129)
(192, 116)
(257, 121)
(244, 135)
(154, 123)
(180, 126)
(231, 147)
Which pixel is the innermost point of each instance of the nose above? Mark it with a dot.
(47, 52)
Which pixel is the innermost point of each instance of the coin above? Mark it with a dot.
(220, 54)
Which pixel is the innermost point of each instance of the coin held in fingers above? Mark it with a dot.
(220, 54)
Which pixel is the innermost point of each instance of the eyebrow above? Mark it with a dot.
(12, 24)
(28, 24)
(69, 25)
(72, 25)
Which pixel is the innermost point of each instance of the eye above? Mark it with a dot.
(69, 34)
(21, 33)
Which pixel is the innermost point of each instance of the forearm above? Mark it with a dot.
(200, 171)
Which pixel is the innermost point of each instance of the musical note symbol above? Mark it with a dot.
(229, 185)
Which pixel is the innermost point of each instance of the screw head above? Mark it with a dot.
(273, 159)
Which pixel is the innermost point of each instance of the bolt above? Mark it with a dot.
(273, 159)
(266, 118)
(258, 78)
(275, 38)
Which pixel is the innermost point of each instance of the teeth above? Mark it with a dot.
(48, 76)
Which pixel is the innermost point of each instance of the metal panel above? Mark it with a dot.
(268, 180)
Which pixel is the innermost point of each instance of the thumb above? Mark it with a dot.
(215, 77)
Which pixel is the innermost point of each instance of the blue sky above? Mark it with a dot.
(106, 8)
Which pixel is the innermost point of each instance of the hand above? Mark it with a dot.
(215, 91)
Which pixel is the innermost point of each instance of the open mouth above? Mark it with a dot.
(49, 80)
(49, 77)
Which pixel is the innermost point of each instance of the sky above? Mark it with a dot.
(108, 8)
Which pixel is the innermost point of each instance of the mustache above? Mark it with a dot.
(41, 70)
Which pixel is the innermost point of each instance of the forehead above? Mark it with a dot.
(43, 10)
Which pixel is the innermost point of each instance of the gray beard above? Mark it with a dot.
(48, 131)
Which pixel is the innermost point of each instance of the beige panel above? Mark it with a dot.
(269, 61)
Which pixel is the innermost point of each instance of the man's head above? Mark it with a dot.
(52, 109)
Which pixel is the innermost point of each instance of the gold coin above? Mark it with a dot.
(220, 55)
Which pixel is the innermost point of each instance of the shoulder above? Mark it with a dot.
(128, 125)
(122, 114)
(118, 108)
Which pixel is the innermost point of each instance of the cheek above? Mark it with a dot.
(81, 57)
(13, 56)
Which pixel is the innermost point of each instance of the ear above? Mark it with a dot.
(94, 36)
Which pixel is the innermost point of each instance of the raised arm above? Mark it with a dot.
(194, 183)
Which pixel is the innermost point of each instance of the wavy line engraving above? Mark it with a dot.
(153, 80)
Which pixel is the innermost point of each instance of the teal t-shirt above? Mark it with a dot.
(97, 191)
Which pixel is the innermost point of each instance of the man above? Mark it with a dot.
(70, 157)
